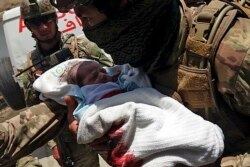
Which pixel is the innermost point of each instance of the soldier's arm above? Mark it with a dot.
(26, 80)
(92, 51)
(18, 139)
(232, 67)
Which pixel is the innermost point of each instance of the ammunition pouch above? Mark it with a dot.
(195, 87)
(196, 74)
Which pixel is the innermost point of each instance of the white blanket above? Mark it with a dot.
(53, 83)
(155, 130)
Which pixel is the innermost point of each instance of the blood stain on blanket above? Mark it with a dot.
(119, 155)
(122, 157)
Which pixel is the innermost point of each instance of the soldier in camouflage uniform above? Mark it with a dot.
(51, 48)
(197, 54)
(184, 53)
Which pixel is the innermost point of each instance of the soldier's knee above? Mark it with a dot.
(236, 161)
(3, 135)
(28, 161)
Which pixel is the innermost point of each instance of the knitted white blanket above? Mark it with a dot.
(152, 130)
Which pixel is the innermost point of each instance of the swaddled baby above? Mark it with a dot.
(97, 82)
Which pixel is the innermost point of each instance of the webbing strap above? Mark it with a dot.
(198, 47)
(221, 32)
(201, 41)
(70, 41)
(203, 22)
(201, 46)
(245, 7)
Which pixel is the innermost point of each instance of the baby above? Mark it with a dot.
(126, 121)
(90, 72)
(97, 82)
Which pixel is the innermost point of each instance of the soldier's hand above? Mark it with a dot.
(73, 124)
(56, 155)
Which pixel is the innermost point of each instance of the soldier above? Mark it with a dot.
(51, 48)
(199, 55)
(202, 54)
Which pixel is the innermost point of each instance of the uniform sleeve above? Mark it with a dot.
(31, 129)
(232, 64)
(81, 47)
(51, 143)
(90, 50)
(29, 161)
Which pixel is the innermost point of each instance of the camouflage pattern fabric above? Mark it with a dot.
(80, 47)
(237, 161)
(232, 65)
(228, 77)
(43, 122)
(233, 86)
(31, 96)
(40, 121)
(28, 161)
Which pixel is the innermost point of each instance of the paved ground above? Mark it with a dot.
(44, 153)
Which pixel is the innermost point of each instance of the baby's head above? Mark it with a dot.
(87, 73)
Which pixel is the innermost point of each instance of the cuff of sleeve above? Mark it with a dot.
(51, 143)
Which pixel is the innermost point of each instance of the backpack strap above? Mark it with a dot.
(199, 45)
(209, 25)
(208, 28)
(244, 6)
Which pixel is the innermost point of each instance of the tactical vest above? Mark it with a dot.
(206, 79)
(44, 63)
(71, 47)
(199, 78)
(37, 63)
(208, 28)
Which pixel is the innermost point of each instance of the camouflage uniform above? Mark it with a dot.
(39, 123)
(80, 48)
(212, 76)
(215, 86)
(29, 161)
(22, 128)
(223, 82)
(237, 161)
(198, 55)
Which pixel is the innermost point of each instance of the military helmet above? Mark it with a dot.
(35, 8)
(65, 5)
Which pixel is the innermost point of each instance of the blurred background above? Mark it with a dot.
(8, 4)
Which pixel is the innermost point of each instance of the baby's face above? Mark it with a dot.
(93, 73)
